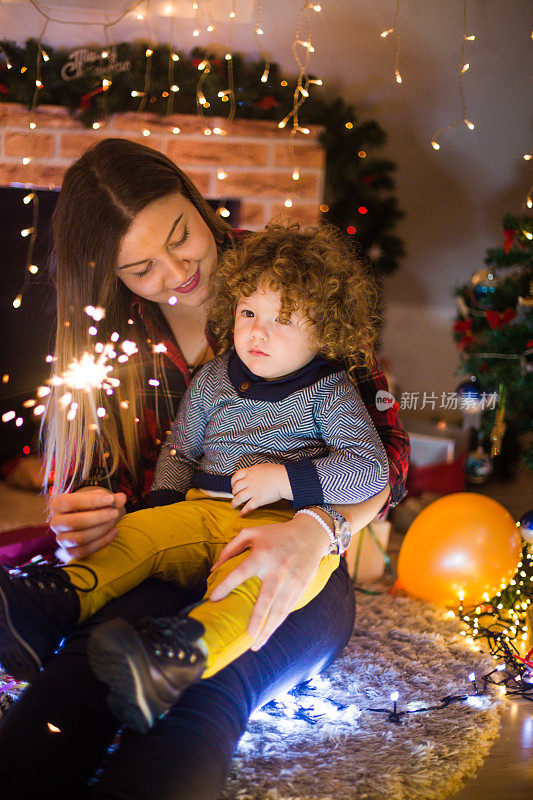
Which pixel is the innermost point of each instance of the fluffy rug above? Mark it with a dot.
(399, 644)
(324, 744)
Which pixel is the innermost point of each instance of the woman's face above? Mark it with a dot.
(168, 253)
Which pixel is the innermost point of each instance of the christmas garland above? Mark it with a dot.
(359, 186)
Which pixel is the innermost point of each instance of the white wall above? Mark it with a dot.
(453, 198)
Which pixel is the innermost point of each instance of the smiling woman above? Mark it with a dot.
(120, 233)
(181, 263)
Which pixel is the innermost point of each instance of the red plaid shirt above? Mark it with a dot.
(387, 423)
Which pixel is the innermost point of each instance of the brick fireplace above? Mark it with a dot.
(254, 155)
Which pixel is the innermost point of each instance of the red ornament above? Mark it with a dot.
(497, 319)
(87, 99)
(351, 230)
(508, 238)
(362, 210)
(465, 341)
(463, 326)
(267, 102)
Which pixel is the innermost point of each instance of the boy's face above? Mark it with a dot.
(271, 346)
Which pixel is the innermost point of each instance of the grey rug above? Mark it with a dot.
(399, 644)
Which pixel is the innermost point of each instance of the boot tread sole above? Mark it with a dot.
(117, 658)
(18, 658)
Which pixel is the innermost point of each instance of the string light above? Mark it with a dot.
(384, 34)
(6, 58)
(211, 26)
(301, 91)
(258, 31)
(463, 67)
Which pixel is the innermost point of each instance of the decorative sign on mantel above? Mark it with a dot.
(85, 63)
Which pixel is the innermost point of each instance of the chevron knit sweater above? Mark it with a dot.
(312, 421)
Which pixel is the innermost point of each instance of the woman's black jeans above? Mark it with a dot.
(187, 754)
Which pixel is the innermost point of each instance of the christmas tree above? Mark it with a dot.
(494, 336)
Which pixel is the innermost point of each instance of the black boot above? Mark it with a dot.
(38, 605)
(146, 668)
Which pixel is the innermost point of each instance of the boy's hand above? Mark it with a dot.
(259, 485)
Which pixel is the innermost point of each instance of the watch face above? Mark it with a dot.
(345, 535)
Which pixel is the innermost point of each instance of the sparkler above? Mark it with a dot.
(89, 372)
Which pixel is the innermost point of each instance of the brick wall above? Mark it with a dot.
(254, 154)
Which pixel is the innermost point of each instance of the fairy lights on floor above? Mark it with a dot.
(463, 67)
(499, 624)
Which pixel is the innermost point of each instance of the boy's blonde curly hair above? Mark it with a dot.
(316, 273)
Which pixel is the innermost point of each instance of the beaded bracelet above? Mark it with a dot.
(334, 547)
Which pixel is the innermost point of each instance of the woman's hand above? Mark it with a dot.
(259, 485)
(84, 521)
(285, 557)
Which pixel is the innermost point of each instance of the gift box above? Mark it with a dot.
(437, 461)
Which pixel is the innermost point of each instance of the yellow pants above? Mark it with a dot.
(179, 543)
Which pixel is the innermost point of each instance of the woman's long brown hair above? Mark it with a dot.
(101, 194)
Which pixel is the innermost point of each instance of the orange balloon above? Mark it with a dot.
(463, 546)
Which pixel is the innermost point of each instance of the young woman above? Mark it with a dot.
(133, 236)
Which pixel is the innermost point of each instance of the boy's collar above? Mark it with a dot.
(249, 385)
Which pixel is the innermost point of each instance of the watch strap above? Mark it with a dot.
(342, 527)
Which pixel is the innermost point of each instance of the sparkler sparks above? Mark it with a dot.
(88, 372)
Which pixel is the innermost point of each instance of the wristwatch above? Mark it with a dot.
(342, 534)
